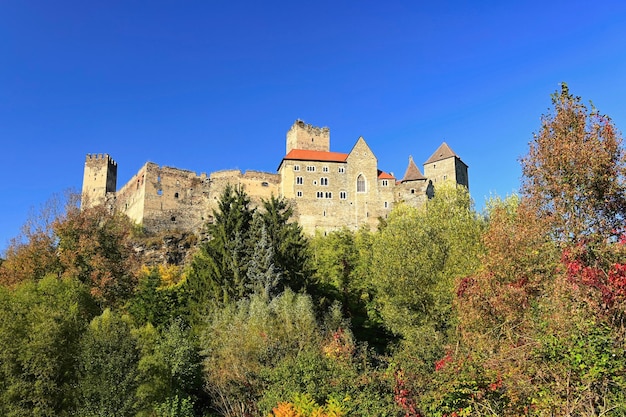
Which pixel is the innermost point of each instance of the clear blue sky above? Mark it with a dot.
(209, 85)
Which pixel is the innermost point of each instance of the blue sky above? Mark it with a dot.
(210, 85)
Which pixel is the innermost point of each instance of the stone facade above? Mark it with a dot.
(328, 190)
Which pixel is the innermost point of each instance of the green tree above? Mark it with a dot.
(341, 260)
(40, 327)
(169, 370)
(289, 244)
(417, 258)
(108, 368)
(218, 270)
(243, 339)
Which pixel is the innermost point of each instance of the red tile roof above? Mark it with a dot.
(306, 155)
(384, 176)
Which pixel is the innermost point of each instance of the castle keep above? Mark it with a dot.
(328, 190)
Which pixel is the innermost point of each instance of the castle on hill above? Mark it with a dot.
(328, 190)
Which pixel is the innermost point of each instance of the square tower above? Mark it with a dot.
(99, 178)
(308, 137)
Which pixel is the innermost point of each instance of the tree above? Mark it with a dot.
(218, 270)
(575, 171)
(289, 244)
(243, 340)
(341, 260)
(417, 259)
(108, 374)
(40, 327)
(96, 247)
(169, 370)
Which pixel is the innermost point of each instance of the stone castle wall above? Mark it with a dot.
(346, 190)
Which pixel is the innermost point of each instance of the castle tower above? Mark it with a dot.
(445, 165)
(99, 178)
(308, 137)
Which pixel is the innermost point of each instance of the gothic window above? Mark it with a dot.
(360, 184)
(320, 194)
(386, 204)
(385, 183)
(341, 170)
(299, 180)
(299, 193)
(328, 195)
(343, 195)
(310, 168)
(325, 169)
(296, 167)
(323, 181)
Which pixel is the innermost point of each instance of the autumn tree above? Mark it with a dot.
(96, 247)
(539, 333)
(574, 172)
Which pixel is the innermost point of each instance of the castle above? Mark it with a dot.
(328, 190)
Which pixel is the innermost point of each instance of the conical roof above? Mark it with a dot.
(442, 152)
(412, 172)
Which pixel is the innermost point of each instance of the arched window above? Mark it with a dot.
(360, 184)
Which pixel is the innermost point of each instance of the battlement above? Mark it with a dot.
(100, 157)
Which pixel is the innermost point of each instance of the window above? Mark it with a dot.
(264, 184)
(299, 180)
(324, 214)
(310, 168)
(445, 177)
(323, 181)
(296, 167)
(175, 195)
(320, 194)
(324, 169)
(412, 190)
(342, 170)
(299, 193)
(343, 195)
(360, 184)
(386, 204)
(328, 195)
(385, 183)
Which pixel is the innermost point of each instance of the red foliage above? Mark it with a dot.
(403, 396)
(611, 284)
(441, 363)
